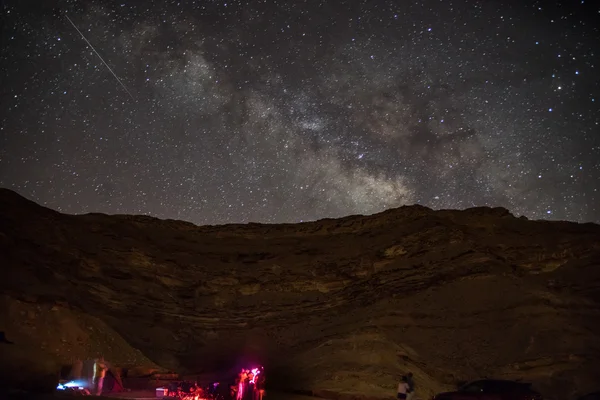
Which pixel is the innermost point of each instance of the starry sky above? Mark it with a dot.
(286, 111)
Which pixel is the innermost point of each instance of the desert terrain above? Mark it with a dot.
(338, 307)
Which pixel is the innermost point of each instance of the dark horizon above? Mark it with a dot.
(491, 208)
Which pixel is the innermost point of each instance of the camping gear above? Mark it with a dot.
(112, 382)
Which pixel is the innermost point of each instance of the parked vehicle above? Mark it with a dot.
(492, 389)
(591, 396)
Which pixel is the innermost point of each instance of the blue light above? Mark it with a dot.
(71, 384)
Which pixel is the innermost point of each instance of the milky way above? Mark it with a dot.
(294, 111)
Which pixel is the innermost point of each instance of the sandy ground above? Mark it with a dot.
(150, 395)
(138, 395)
(135, 394)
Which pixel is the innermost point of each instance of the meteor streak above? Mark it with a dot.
(99, 56)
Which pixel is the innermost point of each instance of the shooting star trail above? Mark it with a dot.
(99, 56)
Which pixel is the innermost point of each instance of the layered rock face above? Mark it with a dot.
(345, 305)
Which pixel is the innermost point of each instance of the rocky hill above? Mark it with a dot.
(341, 305)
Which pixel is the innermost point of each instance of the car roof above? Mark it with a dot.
(590, 396)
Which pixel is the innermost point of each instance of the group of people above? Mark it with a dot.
(406, 387)
(188, 390)
(250, 384)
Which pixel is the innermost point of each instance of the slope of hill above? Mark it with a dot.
(343, 305)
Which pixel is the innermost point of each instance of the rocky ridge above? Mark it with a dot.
(340, 305)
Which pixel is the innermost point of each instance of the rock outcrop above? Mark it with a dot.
(340, 305)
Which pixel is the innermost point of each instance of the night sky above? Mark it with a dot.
(288, 111)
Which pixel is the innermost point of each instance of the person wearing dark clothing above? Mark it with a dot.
(259, 386)
(249, 387)
(173, 388)
(411, 386)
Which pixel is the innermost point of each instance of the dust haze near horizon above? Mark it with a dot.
(295, 111)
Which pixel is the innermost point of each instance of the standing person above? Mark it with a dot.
(403, 388)
(245, 382)
(249, 395)
(259, 386)
(243, 376)
(100, 369)
(233, 389)
(411, 386)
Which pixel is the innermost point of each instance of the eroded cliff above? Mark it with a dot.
(344, 305)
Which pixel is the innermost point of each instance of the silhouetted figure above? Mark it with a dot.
(249, 387)
(411, 386)
(259, 386)
(242, 384)
(173, 388)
